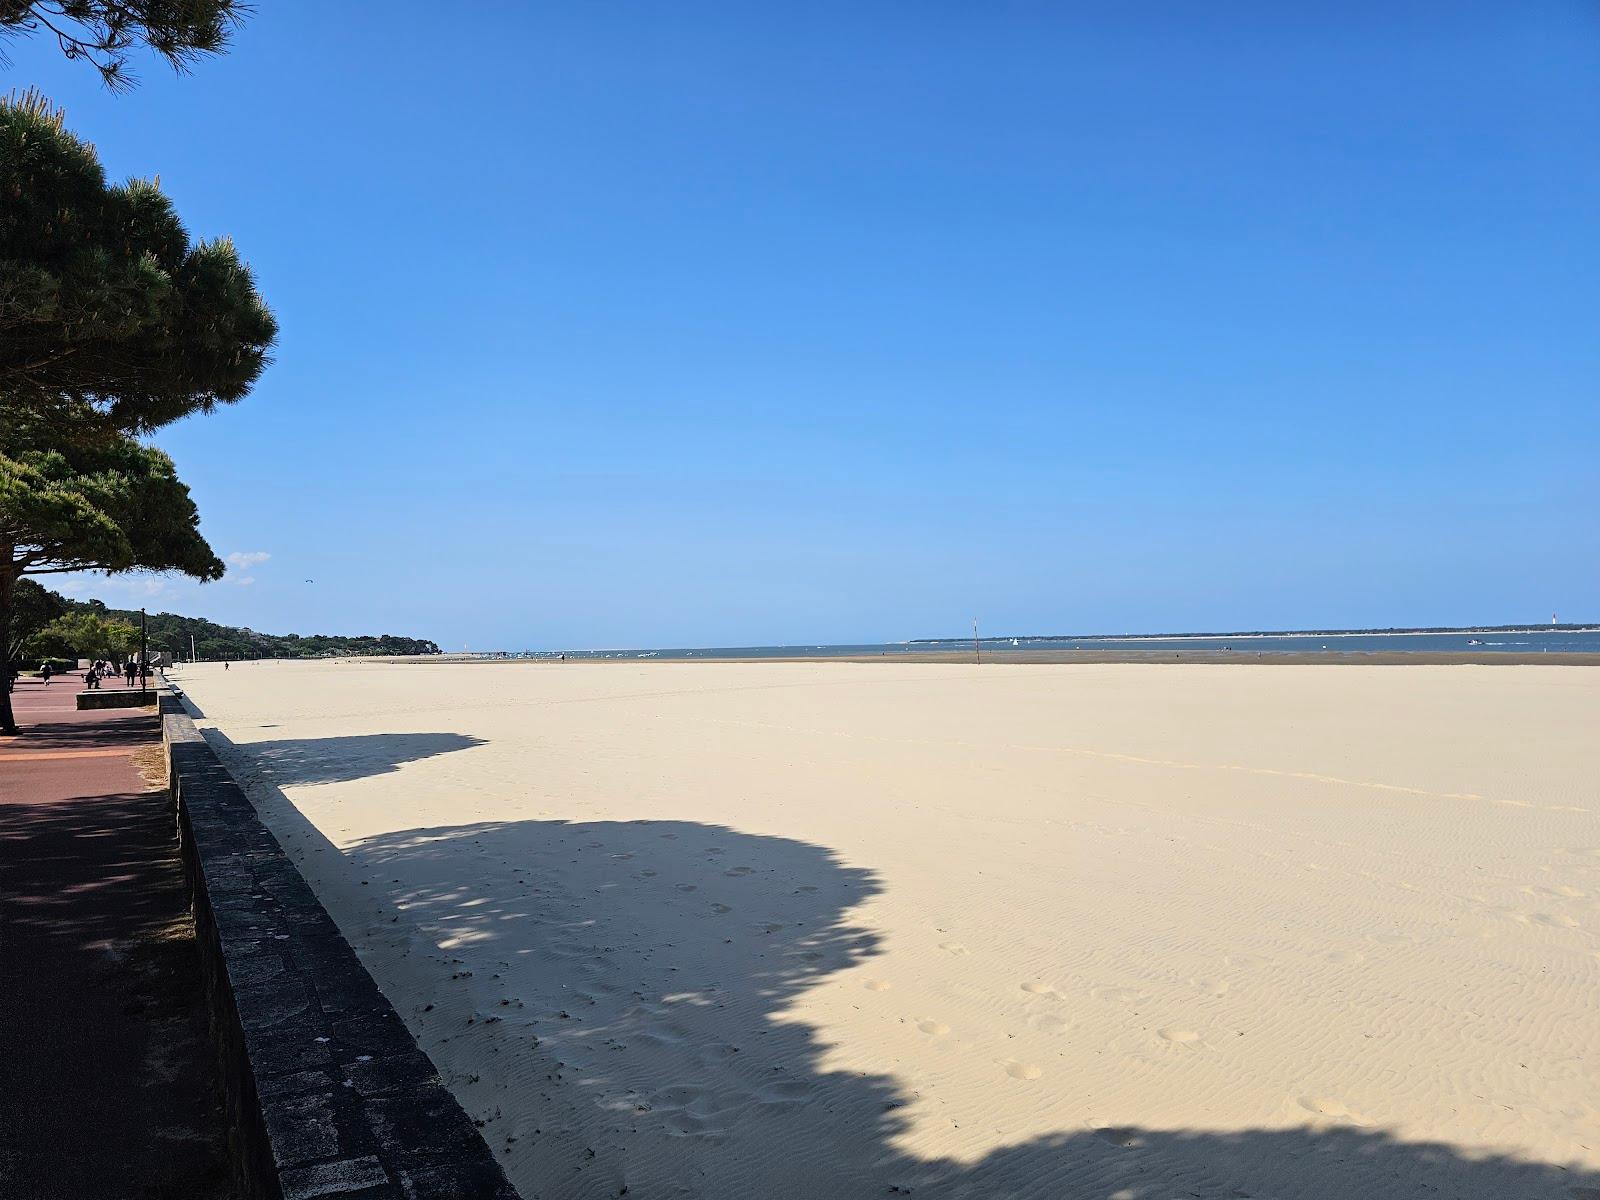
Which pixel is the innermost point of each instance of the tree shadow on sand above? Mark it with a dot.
(653, 961)
(296, 761)
(614, 1002)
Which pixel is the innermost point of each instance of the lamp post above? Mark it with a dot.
(144, 654)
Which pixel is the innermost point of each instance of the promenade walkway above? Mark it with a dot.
(106, 1076)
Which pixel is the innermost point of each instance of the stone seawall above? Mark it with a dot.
(328, 1095)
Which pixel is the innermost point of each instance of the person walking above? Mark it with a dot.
(45, 671)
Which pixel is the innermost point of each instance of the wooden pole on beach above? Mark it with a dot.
(977, 654)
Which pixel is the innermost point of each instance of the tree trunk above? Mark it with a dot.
(8, 582)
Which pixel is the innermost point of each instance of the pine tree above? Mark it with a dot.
(103, 32)
(106, 306)
(112, 324)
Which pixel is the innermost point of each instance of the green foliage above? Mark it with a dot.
(110, 318)
(115, 505)
(112, 323)
(32, 608)
(102, 32)
(171, 633)
(85, 635)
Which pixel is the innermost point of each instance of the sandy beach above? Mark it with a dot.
(856, 930)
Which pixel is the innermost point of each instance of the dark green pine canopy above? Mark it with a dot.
(106, 307)
(103, 32)
(112, 323)
(114, 504)
(108, 503)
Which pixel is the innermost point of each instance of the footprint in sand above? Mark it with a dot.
(1567, 891)
(1118, 1136)
(933, 1028)
(1021, 1070)
(739, 871)
(785, 1091)
(670, 837)
(680, 1123)
(1334, 1110)
(806, 888)
(658, 1037)
(1553, 920)
(1049, 1023)
(687, 887)
(1179, 1037)
(1210, 987)
(878, 985)
(1035, 988)
(955, 948)
(721, 908)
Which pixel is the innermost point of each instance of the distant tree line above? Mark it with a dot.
(49, 626)
(170, 632)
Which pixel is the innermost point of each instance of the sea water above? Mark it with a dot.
(1536, 641)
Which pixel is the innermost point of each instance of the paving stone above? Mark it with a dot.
(387, 1076)
(452, 1181)
(294, 1083)
(426, 1122)
(302, 1127)
(347, 1179)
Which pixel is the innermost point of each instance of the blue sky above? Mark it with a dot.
(640, 324)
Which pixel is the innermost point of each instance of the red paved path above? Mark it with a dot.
(105, 1071)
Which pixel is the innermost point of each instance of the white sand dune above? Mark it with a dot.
(832, 930)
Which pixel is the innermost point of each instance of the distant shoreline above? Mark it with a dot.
(1429, 631)
(1016, 645)
(1370, 658)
